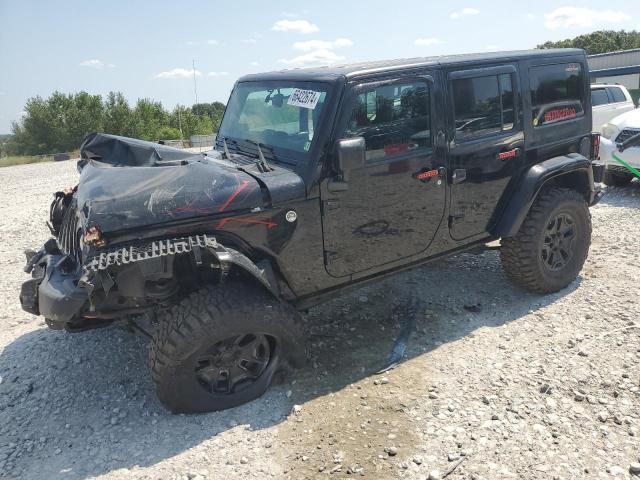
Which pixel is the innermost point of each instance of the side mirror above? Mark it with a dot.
(350, 154)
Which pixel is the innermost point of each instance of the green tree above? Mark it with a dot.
(60, 122)
(168, 133)
(118, 117)
(602, 41)
(148, 117)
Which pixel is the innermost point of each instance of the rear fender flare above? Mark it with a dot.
(572, 170)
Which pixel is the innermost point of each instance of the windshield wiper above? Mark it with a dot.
(262, 164)
(226, 148)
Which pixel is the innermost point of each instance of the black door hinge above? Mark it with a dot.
(330, 257)
(455, 218)
(328, 206)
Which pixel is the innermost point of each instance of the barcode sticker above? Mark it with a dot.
(304, 98)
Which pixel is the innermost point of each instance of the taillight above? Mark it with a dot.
(595, 146)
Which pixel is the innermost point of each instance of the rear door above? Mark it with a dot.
(621, 101)
(486, 147)
(601, 107)
(392, 206)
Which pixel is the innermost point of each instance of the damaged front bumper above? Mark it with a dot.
(55, 289)
(74, 296)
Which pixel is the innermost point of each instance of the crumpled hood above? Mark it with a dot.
(126, 183)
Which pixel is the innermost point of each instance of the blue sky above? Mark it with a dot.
(145, 49)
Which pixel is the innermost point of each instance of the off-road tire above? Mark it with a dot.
(521, 255)
(617, 179)
(186, 331)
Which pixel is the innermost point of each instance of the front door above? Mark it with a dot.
(390, 208)
(487, 145)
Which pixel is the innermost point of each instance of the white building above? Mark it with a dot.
(621, 67)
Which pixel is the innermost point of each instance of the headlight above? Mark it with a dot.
(610, 131)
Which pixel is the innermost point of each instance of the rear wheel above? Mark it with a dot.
(221, 347)
(552, 244)
(617, 179)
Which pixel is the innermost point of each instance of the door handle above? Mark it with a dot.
(459, 175)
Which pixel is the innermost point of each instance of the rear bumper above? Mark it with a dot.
(53, 290)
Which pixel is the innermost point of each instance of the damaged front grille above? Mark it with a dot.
(158, 248)
(70, 234)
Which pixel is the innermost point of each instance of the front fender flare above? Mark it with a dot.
(534, 179)
(229, 258)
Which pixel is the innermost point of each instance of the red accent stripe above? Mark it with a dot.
(224, 221)
(240, 188)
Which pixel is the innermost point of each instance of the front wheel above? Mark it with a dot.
(552, 244)
(221, 346)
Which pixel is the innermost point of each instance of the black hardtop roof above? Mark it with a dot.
(335, 72)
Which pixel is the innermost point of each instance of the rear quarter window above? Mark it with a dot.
(617, 94)
(557, 93)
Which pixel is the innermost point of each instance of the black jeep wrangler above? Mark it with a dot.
(320, 180)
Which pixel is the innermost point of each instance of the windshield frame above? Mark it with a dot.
(322, 127)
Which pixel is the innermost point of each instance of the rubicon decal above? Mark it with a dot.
(510, 154)
(424, 176)
(559, 114)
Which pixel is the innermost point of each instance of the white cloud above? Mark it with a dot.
(492, 48)
(179, 73)
(254, 64)
(529, 16)
(342, 42)
(250, 41)
(205, 42)
(289, 15)
(95, 63)
(319, 52)
(464, 11)
(319, 56)
(218, 74)
(579, 17)
(426, 42)
(322, 44)
(300, 26)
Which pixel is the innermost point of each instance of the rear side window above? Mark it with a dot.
(557, 93)
(617, 94)
(599, 97)
(392, 119)
(483, 105)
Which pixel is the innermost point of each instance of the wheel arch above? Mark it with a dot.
(570, 171)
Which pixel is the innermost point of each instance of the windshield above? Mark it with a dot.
(281, 115)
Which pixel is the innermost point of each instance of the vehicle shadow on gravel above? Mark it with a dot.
(84, 405)
(627, 196)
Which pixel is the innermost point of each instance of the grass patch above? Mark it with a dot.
(25, 159)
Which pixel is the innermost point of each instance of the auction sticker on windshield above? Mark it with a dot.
(304, 98)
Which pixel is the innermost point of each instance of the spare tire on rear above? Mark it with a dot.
(221, 346)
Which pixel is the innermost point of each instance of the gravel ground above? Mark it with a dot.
(497, 383)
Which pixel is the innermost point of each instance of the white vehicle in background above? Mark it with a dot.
(608, 101)
(614, 132)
